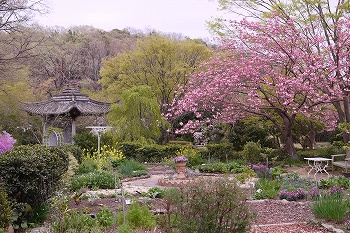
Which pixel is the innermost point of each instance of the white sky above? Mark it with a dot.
(187, 17)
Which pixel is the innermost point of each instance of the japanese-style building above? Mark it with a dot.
(62, 110)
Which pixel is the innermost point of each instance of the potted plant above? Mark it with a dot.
(180, 166)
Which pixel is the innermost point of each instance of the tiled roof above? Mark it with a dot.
(71, 100)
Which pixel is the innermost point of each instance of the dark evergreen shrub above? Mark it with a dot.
(31, 174)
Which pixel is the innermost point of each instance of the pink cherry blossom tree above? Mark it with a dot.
(6, 142)
(273, 69)
(327, 19)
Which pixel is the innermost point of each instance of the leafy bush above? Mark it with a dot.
(87, 141)
(74, 221)
(31, 174)
(75, 150)
(210, 205)
(340, 181)
(219, 167)
(87, 166)
(266, 188)
(131, 168)
(222, 152)
(155, 192)
(148, 153)
(72, 168)
(93, 180)
(105, 217)
(333, 149)
(293, 181)
(247, 173)
(252, 152)
(22, 215)
(5, 210)
(276, 172)
(138, 217)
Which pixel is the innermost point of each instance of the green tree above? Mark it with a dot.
(137, 117)
(160, 62)
(13, 119)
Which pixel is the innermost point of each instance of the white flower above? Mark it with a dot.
(259, 191)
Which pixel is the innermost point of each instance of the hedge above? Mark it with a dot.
(30, 174)
(148, 153)
(223, 152)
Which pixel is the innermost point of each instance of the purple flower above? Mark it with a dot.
(180, 159)
(314, 192)
(335, 190)
(292, 195)
(6, 142)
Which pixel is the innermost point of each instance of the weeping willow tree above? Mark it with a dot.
(138, 116)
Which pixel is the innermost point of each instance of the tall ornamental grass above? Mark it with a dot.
(331, 207)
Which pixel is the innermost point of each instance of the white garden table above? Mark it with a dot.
(318, 164)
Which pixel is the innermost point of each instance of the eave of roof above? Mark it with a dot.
(65, 102)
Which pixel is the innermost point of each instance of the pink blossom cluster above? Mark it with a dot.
(270, 69)
(6, 142)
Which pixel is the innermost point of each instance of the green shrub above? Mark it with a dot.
(148, 153)
(72, 168)
(333, 149)
(86, 140)
(293, 181)
(222, 152)
(75, 221)
(131, 168)
(246, 174)
(124, 228)
(252, 152)
(22, 214)
(105, 217)
(87, 167)
(219, 167)
(211, 205)
(5, 210)
(31, 174)
(75, 150)
(266, 188)
(339, 181)
(278, 155)
(93, 180)
(331, 207)
(155, 192)
(138, 217)
(40, 214)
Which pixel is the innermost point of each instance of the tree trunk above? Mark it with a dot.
(346, 136)
(287, 137)
(312, 136)
(289, 146)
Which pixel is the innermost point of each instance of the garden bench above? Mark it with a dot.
(345, 163)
